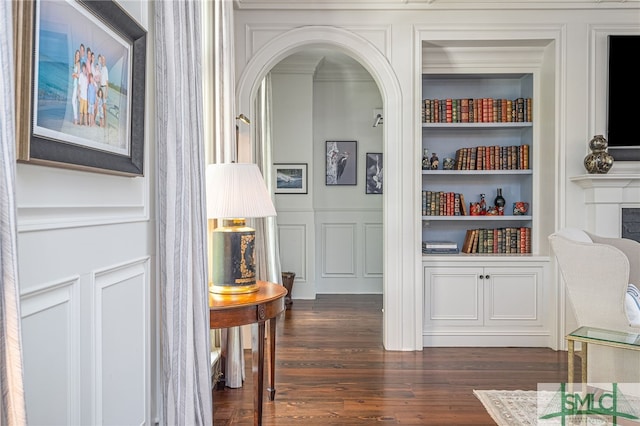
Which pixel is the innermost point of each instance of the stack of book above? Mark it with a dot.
(440, 203)
(439, 247)
(500, 241)
(480, 110)
(515, 157)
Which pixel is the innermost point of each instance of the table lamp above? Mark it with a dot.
(235, 191)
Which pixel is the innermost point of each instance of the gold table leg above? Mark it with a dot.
(583, 357)
(571, 355)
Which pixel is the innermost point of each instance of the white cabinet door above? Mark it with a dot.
(453, 296)
(513, 296)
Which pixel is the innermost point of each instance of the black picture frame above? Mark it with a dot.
(341, 165)
(290, 178)
(374, 173)
(46, 129)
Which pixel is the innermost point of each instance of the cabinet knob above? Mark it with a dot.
(481, 277)
(487, 276)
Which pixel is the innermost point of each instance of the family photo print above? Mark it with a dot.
(87, 88)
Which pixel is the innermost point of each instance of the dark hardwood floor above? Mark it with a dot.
(331, 369)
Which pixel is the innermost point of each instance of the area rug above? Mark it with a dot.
(524, 408)
(510, 408)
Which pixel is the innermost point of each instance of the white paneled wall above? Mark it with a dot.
(373, 250)
(86, 259)
(51, 352)
(293, 246)
(338, 250)
(121, 338)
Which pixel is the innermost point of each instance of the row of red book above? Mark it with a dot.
(515, 157)
(498, 241)
(440, 203)
(481, 110)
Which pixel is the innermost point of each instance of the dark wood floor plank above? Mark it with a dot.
(331, 369)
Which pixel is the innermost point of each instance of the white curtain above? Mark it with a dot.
(186, 375)
(12, 405)
(267, 248)
(223, 150)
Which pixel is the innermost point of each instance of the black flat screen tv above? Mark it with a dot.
(623, 124)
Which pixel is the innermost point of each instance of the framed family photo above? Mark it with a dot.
(374, 173)
(342, 162)
(80, 86)
(290, 178)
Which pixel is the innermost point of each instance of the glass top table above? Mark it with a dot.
(606, 337)
(597, 336)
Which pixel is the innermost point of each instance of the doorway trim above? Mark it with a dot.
(402, 291)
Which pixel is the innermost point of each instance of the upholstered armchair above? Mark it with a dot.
(597, 272)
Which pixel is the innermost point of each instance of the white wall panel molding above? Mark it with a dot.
(257, 35)
(122, 343)
(291, 211)
(338, 250)
(51, 351)
(57, 217)
(53, 198)
(293, 250)
(502, 36)
(442, 58)
(350, 210)
(373, 250)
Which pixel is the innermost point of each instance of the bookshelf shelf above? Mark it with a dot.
(509, 218)
(477, 172)
(513, 125)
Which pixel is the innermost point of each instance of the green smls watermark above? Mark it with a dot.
(598, 403)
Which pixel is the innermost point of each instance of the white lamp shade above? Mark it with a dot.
(237, 190)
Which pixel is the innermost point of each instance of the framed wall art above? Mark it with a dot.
(80, 86)
(341, 163)
(290, 178)
(374, 173)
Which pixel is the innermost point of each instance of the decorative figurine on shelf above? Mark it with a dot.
(474, 209)
(520, 208)
(483, 205)
(426, 164)
(500, 202)
(599, 161)
(492, 211)
(448, 163)
(434, 161)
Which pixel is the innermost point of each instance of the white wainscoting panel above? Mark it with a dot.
(293, 250)
(338, 249)
(122, 343)
(373, 253)
(54, 198)
(51, 352)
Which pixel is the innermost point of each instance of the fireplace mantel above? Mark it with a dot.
(614, 180)
(605, 195)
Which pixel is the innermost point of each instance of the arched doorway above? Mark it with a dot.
(402, 318)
